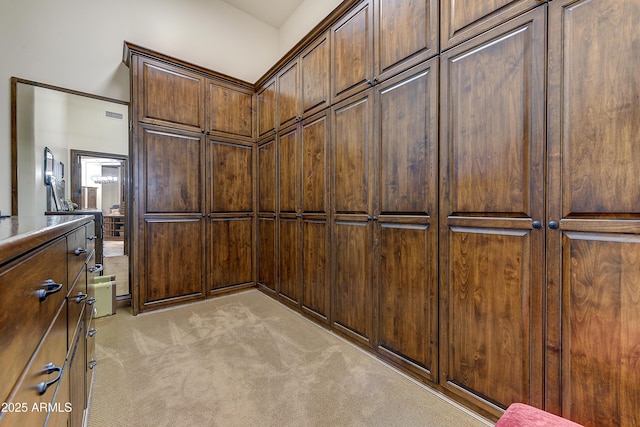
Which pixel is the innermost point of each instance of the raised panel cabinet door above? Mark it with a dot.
(173, 171)
(463, 19)
(230, 110)
(169, 95)
(594, 212)
(352, 207)
(315, 70)
(352, 52)
(231, 182)
(267, 176)
(407, 295)
(352, 305)
(289, 174)
(267, 253)
(267, 108)
(173, 260)
(406, 34)
(289, 110)
(407, 223)
(315, 167)
(352, 152)
(492, 208)
(289, 259)
(315, 268)
(231, 243)
(407, 138)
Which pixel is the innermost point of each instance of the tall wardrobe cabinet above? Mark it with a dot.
(193, 199)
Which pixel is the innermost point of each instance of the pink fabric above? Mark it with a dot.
(521, 415)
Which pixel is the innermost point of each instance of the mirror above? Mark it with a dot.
(55, 131)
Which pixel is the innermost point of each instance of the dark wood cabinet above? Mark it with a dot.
(193, 201)
(231, 253)
(267, 102)
(593, 223)
(231, 177)
(172, 170)
(407, 219)
(315, 74)
(314, 207)
(462, 20)
(352, 52)
(288, 98)
(406, 33)
(267, 222)
(451, 184)
(230, 110)
(168, 95)
(173, 267)
(352, 227)
(43, 299)
(491, 245)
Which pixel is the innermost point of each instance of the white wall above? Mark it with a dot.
(77, 44)
(302, 21)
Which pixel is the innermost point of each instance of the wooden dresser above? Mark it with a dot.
(46, 319)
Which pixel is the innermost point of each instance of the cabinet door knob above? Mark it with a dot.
(80, 297)
(49, 369)
(553, 225)
(96, 268)
(536, 224)
(50, 288)
(80, 251)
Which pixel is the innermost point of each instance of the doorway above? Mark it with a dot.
(99, 182)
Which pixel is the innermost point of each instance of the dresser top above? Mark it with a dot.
(19, 234)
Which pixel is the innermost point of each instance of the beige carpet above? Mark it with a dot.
(118, 266)
(245, 360)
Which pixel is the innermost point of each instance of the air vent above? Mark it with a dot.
(112, 115)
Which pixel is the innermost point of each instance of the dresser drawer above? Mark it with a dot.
(31, 293)
(42, 378)
(76, 301)
(77, 253)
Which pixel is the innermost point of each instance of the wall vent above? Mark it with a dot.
(112, 115)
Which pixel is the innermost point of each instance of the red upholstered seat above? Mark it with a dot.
(521, 415)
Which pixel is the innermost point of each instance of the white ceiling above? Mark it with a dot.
(272, 12)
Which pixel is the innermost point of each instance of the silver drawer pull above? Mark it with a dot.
(92, 332)
(49, 369)
(90, 238)
(92, 363)
(91, 301)
(96, 269)
(80, 297)
(50, 288)
(79, 251)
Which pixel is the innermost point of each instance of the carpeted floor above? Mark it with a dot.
(245, 360)
(118, 266)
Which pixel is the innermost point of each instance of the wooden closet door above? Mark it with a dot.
(352, 225)
(315, 73)
(288, 218)
(352, 52)
(492, 160)
(407, 223)
(593, 232)
(406, 34)
(267, 186)
(169, 95)
(315, 216)
(463, 19)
